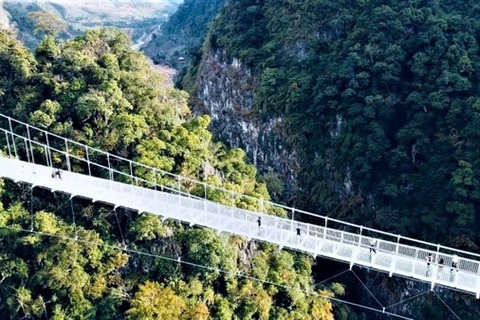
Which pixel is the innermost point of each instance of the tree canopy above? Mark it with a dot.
(379, 103)
(97, 90)
(379, 96)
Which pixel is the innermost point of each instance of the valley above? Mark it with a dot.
(134, 17)
(364, 111)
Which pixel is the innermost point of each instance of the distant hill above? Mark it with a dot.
(183, 31)
(136, 17)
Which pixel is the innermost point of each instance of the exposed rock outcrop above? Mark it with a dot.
(225, 91)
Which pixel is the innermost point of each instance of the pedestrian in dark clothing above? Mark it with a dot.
(440, 267)
(429, 259)
(373, 245)
(299, 235)
(259, 221)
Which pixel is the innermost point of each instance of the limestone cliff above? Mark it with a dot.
(225, 90)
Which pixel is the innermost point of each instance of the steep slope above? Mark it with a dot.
(379, 101)
(97, 90)
(183, 32)
(375, 103)
(193, 18)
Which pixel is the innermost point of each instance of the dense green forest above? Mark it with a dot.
(97, 90)
(379, 101)
(382, 93)
(192, 18)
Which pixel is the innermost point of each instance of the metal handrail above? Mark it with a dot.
(403, 260)
(260, 202)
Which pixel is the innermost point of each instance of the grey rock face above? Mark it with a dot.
(226, 91)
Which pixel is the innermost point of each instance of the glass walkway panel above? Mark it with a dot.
(30, 154)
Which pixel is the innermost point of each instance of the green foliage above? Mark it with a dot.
(153, 301)
(192, 17)
(381, 93)
(379, 101)
(97, 90)
(205, 248)
(17, 65)
(147, 227)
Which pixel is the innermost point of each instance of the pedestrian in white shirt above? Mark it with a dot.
(455, 262)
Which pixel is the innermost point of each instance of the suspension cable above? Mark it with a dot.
(120, 229)
(410, 298)
(31, 208)
(75, 244)
(370, 292)
(73, 218)
(56, 210)
(337, 275)
(237, 274)
(453, 312)
(390, 306)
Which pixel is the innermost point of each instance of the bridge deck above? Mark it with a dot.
(393, 258)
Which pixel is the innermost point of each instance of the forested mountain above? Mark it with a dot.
(184, 31)
(97, 90)
(193, 17)
(362, 110)
(382, 93)
(371, 107)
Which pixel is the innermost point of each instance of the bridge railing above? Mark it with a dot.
(39, 146)
(336, 244)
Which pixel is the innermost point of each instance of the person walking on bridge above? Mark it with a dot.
(56, 173)
(373, 245)
(429, 259)
(454, 263)
(454, 267)
(299, 235)
(440, 267)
